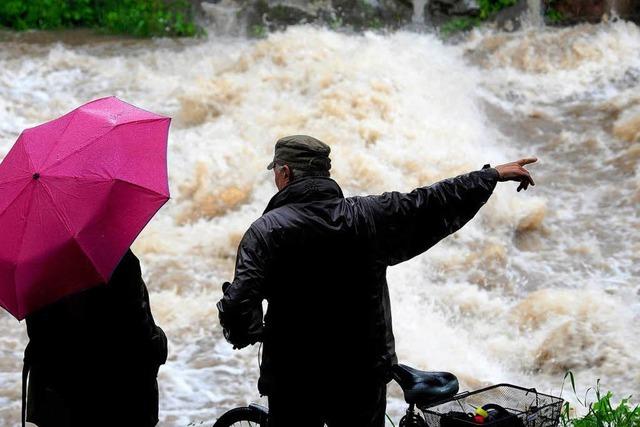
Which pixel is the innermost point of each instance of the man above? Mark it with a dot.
(94, 356)
(320, 261)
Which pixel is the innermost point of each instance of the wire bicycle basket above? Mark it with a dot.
(526, 407)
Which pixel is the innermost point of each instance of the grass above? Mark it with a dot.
(141, 18)
(601, 412)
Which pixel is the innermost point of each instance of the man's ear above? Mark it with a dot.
(287, 172)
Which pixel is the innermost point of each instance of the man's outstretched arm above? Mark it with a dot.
(407, 224)
(240, 309)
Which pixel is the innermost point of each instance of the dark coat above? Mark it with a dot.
(320, 261)
(95, 355)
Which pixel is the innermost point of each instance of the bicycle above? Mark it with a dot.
(433, 402)
(421, 389)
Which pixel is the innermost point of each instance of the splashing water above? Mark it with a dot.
(534, 12)
(539, 282)
(418, 11)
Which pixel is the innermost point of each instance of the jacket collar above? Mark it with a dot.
(306, 190)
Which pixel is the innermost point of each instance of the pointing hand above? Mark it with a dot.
(515, 171)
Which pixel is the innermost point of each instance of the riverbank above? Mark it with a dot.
(256, 18)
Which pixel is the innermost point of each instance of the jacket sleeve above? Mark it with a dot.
(135, 306)
(404, 225)
(240, 309)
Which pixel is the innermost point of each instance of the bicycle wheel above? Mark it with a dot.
(249, 416)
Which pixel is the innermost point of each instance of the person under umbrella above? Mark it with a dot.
(94, 356)
(74, 194)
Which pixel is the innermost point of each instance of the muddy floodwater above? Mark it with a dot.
(537, 283)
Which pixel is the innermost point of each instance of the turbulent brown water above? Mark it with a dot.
(539, 282)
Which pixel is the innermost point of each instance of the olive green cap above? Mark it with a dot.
(302, 152)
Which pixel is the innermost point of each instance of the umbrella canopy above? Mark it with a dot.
(74, 194)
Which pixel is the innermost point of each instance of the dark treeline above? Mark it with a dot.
(142, 18)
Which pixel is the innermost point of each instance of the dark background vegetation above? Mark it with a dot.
(142, 18)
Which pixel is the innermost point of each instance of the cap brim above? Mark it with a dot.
(271, 165)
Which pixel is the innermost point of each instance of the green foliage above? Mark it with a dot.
(456, 25)
(552, 14)
(143, 18)
(148, 18)
(374, 23)
(601, 413)
(359, 15)
(489, 7)
(335, 23)
(258, 31)
(370, 17)
(44, 14)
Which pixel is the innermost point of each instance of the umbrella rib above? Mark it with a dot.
(15, 198)
(150, 217)
(142, 187)
(13, 180)
(63, 220)
(98, 138)
(55, 144)
(19, 252)
(26, 171)
(89, 144)
(24, 147)
(57, 210)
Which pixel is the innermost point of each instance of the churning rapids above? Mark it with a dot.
(539, 282)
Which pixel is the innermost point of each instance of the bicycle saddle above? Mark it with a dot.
(422, 388)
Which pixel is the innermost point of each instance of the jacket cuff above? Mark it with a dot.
(492, 171)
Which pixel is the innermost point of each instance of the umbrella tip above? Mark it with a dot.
(36, 175)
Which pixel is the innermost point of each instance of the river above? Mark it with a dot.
(537, 283)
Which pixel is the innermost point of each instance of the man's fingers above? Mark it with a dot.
(526, 173)
(529, 179)
(515, 171)
(524, 183)
(526, 161)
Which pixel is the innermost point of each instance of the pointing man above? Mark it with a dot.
(320, 261)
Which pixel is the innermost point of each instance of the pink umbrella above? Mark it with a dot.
(74, 194)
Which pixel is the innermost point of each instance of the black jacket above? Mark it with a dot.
(96, 354)
(320, 261)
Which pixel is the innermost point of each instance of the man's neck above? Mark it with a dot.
(305, 189)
